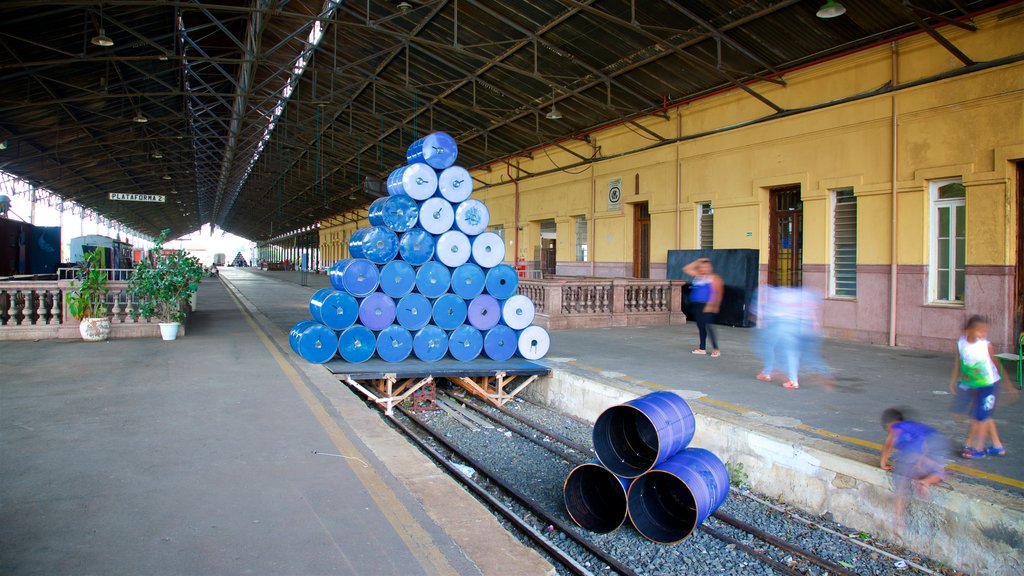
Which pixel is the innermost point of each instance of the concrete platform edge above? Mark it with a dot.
(972, 528)
(473, 528)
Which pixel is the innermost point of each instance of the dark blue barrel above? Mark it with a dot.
(436, 215)
(358, 277)
(376, 243)
(433, 279)
(293, 334)
(413, 311)
(356, 344)
(484, 312)
(468, 280)
(501, 281)
(397, 213)
(517, 312)
(394, 343)
(397, 278)
(452, 249)
(317, 298)
(500, 343)
(634, 437)
(595, 498)
(416, 246)
(465, 343)
(533, 342)
(488, 250)
(449, 311)
(317, 343)
(430, 343)
(669, 502)
(377, 311)
(455, 184)
(336, 309)
(417, 181)
(472, 217)
(437, 149)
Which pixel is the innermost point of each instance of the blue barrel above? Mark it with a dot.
(483, 312)
(488, 250)
(472, 217)
(465, 343)
(376, 243)
(500, 343)
(436, 215)
(413, 311)
(452, 248)
(337, 310)
(394, 343)
(293, 334)
(416, 180)
(316, 343)
(430, 343)
(397, 278)
(595, 498)
(455, 184)
(437, 149)
(433, 279)
(334, 273)
(416, 246)
(356, 344)
(357, 276)
(449, 311)
(397, 213)
(468, 280)
(634, 437)
(501, 282)
(517, 312)
(533, 343)
(669, 502)
(377, 311)
(317, 297)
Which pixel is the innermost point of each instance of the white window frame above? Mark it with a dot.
(585, 247)
(934, 204)
(700, 227)
(832, 269)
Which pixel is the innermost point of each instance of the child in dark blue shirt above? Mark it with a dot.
(920, 456)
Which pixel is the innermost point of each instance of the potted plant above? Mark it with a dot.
(162, 283)
(86, 299)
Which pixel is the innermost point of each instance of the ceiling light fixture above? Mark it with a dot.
(165, 177)
(404, 6)
(140, 118)
(831, 9)
(157, 155)
(101, 39)
(3, 145)
(553, 114)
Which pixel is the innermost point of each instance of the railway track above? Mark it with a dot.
(574, 551)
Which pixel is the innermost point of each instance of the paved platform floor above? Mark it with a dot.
(869, 378)
(197, 457)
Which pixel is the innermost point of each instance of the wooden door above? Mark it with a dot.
(785, 241)
(547, 256)
(641, 241)
(1018, 299)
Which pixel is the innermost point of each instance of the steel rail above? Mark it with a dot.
(525, 500)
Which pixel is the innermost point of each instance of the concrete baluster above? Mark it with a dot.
(115, 310)
(41, 306)
(55, 307)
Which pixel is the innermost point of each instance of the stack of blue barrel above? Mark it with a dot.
(646, 471)
(425, 278)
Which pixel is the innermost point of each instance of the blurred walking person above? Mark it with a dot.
(780, 322)
(705, 301)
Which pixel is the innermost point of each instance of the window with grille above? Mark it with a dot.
(946, 267)
(705, 226)
(844, 243)
(581, 238)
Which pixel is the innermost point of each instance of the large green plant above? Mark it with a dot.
(89, 288)
(162, 282)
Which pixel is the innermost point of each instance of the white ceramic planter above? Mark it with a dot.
(169, 330)
(94, 329)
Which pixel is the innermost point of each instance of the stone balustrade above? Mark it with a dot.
(36, 310)
(575, 302)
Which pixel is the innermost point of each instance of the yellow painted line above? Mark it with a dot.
(414, 536)
(966, 471)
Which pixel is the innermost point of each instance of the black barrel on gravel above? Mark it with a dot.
(596, 498)
(634, 437)
(668, 503)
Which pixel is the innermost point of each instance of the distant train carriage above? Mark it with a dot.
(117, 254)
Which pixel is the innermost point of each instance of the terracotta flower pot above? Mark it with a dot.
(94, 329)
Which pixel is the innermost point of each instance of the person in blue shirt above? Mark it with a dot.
(705, 299)
(920, 456)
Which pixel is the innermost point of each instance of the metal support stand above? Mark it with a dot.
(492, 388)
(386, 393)
(425, 399)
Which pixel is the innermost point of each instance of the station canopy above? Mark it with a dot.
(266, 116)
